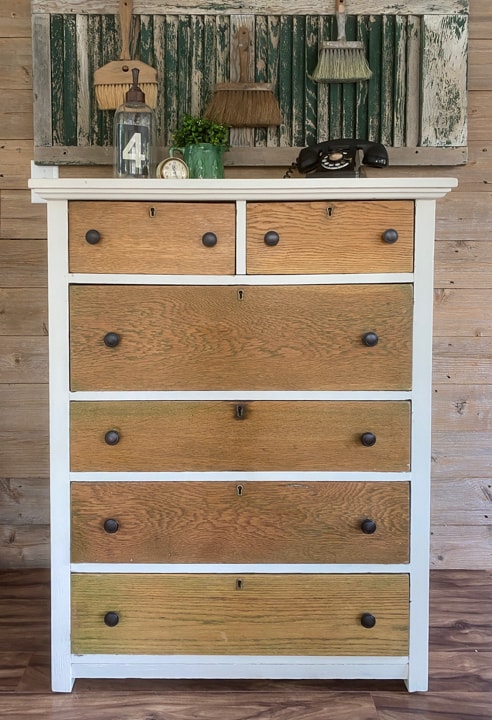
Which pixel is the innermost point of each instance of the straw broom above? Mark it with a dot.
(244, 103)
(340, 60)
(113, 80)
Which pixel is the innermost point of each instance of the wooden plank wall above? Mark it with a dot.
(462, 446)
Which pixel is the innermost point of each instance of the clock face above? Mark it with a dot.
(172, 168)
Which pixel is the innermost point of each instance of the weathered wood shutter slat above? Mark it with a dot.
(444, 107)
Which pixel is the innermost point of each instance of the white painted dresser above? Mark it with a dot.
(240, 394)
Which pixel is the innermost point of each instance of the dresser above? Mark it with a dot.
(240, 403)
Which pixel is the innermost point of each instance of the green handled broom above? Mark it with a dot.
(341, 61)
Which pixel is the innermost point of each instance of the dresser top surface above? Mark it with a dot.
(384, 187)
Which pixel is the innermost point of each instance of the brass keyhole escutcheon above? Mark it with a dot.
(152, 212)
(239, 584)
(240, 294)
(239, 490)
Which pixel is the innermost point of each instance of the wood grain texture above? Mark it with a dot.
(272, 7)
(270, 614)
(20, 218)
(23, 311)
(15, 159)
(24, 501)
(23, 545)
(206, 435)
(454, 312)
(433, 706)
(24, 359)
(15, 18)
(465, 220)
(463, 361)
(247, 522)
(444, 85)
(161, 238)
(290, 337)
(23, 264)
(24, 431)
(460, 666)
(334, 237)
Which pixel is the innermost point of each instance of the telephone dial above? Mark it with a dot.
(339, 158)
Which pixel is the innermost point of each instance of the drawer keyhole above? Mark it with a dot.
(240, 412)
(152, 212)
(239, 490)
(239, 584)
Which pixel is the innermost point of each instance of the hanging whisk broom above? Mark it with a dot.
(113, 80)
(341, 61)
(244, 103)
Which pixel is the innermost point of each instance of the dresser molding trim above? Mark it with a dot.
(385, 188)
(233, 666)
(321, 279)
(224, 568)
(104, 395)
(240, 476)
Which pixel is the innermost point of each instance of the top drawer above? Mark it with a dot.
(330, 237)
(143, 237)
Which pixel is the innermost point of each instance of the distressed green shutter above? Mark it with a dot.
(415, 101)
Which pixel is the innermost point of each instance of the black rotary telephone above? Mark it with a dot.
(339, 158)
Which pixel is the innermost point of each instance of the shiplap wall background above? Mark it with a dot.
(462, 415)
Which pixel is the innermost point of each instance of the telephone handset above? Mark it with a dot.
(340, 156)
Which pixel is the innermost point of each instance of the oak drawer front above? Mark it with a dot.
(144, 237)
(230, 522)
(330, 237)
(254, 435)
(317, 337)
(240, 615)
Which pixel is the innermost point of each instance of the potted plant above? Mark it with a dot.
(202, 143)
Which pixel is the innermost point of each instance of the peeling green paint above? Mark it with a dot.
(192, 54)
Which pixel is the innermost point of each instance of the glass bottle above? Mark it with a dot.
(134, 135)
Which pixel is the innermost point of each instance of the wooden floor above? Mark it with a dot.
(460, 675)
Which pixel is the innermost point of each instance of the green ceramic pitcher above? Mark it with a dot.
(204, 160)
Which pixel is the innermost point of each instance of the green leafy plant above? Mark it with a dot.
(195, 130)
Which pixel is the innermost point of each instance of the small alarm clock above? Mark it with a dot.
(172, 168)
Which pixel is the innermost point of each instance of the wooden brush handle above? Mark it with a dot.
(126, 12)
(340, 13)
(243, 50)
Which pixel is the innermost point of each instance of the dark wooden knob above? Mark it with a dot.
(368, 439)
(111, 339)
(370, 339)
(111, 619)
(112, 437)
(111, 526)
(271, 238)
(368, 526)
(93, 236)
(390, 236)
(209, 239)
(367, 620)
